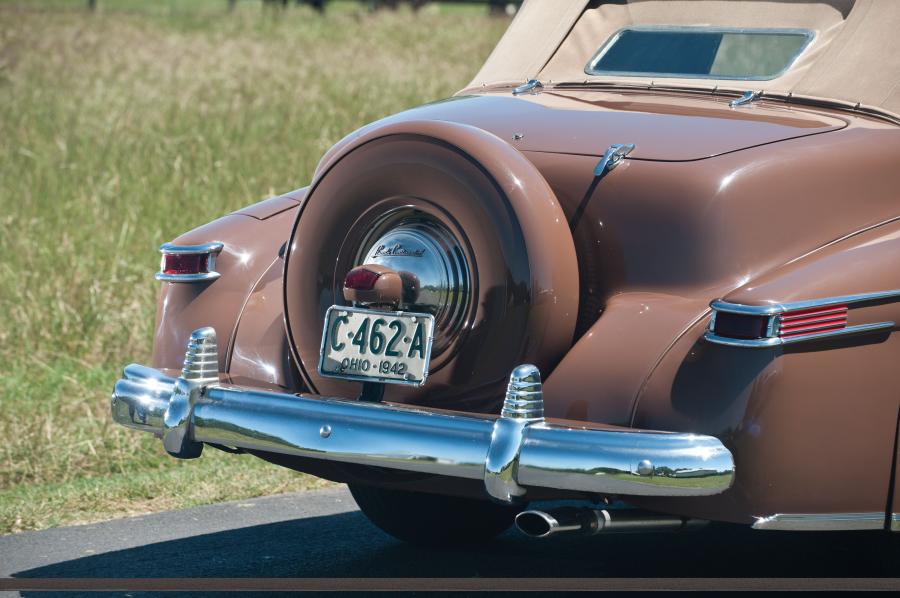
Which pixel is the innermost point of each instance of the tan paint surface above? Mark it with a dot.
(250, 247)
(812, 427)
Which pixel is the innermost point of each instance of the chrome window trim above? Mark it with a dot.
(820, 521)
(895, 522)
(590, 67)
(212, 249)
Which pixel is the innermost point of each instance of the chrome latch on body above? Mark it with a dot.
(531, 86)
(612, 157)
(522, 407)
(746, 98)
(201, 368)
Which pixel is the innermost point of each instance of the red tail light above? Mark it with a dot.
(812, 321)
(189, 263)
(185, 263)
(361, 279)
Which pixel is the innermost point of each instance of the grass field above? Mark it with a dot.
(120, 130)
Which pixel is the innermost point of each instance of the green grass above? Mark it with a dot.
(119, 131)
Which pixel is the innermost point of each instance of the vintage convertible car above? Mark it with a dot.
(660, 273)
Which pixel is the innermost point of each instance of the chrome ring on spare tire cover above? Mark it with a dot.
(431, 263)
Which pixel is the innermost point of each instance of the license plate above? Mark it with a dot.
(376, 346)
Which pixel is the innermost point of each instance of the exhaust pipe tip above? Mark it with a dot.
(569, 520)
(586, 521)
(536, 524)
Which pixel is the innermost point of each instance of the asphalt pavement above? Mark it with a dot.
(322, 534)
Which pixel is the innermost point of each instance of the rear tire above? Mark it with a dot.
(432, 519)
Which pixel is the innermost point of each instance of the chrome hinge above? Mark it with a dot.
(612, 157)
(531, 86)
(746, 98)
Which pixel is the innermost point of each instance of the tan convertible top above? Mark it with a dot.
(853, 58)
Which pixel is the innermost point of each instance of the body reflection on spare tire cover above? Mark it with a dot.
(477, 233)
(433, 265)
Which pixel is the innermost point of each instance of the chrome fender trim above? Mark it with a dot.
(821, 521)
(620, 461)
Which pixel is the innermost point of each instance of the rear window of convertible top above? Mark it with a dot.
(699, 52)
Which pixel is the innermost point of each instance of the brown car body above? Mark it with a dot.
(766, 205)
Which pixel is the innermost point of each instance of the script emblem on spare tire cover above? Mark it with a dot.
(397, 250)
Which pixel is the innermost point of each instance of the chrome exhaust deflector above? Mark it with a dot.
(508, 454)
(586, 521)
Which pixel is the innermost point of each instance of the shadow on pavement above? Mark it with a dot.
(347, 545)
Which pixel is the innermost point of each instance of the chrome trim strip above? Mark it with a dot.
(202, 276)
(820, 521)
(755, 343)
(895, 522)
(858, 329)
(775, 341)
(746, 310)
(777, 308)
(608, 461)
(212, 249)
(810, 328)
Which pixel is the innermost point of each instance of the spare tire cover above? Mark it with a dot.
(519, 299)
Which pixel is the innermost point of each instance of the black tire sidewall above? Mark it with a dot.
(433, 519)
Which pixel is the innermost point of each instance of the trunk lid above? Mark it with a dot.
(668, 127)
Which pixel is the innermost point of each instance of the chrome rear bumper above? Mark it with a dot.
(510, 453)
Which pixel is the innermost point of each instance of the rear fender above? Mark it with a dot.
(252, 238)
(600, 378)
(812, 425)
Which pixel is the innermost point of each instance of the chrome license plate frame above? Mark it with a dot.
(336, 355)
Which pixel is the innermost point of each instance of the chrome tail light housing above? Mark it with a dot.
(189, 263)
(740, 325)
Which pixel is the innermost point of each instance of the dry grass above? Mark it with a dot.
(123, 129)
